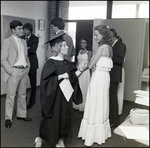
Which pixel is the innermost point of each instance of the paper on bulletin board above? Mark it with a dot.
(66, 88)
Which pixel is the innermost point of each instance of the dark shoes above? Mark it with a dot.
(29, 105)
(24, 119)
(8, 123)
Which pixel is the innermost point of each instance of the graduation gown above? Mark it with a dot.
(56, 111)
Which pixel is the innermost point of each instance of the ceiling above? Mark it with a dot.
(96, 3)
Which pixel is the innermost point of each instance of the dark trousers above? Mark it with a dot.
(113, 104)
(32, 77)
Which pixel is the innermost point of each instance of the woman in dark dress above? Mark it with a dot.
(56, 121)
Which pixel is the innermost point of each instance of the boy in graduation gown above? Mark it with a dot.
(56, 121)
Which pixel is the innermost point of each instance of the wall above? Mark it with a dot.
(33, 10)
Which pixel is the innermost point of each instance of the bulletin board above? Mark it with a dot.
(5, 25)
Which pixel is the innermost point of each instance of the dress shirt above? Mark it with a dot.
(114, 42)
(27, 37)
(21, 56)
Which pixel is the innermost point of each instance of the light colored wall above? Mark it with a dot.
(33, 10)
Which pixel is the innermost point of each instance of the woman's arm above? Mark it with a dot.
(95, 58)
(89, 55)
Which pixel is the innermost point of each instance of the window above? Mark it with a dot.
(124, 11)
(130, 9)
(144, 10)
(71, 30)
(84, 10)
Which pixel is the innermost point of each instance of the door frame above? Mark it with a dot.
(77, 21)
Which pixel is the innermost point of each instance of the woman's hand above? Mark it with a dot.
(63, 76)
(84, 66)
(93, 68)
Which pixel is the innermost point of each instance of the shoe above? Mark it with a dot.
(25, 119)
(29, 105)
(38, 142)
(57, 145)
(8, 123)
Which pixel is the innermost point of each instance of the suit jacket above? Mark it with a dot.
(32, 44)
(9, 55)
(119, 50)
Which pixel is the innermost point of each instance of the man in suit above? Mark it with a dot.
(119, 50)
(58, 26)
(32, 44)
(16, 66)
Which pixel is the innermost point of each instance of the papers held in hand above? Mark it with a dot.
(66, 88)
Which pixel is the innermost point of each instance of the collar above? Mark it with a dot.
(16, 38)
(28, 36)
(114, 42)
(57, 58)
(58, 31)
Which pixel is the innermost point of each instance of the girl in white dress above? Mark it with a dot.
(84, 56)
(95, 126)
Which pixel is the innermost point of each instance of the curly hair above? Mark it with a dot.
(105, 32)
(55, 50)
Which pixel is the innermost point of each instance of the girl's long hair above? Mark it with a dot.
(105, 32)
(88, 43)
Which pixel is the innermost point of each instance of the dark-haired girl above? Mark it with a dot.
(84, 55)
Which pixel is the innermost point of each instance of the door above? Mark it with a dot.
(78, 29)
(83, 29)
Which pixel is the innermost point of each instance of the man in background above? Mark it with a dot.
(119, 50)
(58, 26)
(16, 66)
(32, 44)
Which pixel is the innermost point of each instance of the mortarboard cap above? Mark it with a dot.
(57, 38)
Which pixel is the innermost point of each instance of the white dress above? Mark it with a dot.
(84, 79)
(95, 126)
